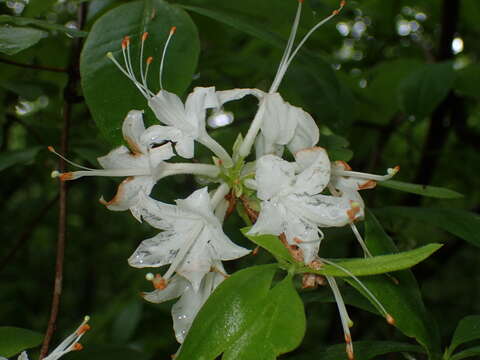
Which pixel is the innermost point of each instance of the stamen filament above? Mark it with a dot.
(144, 37)
(390, 173)
(360, 240)
(219, 195)
(368, 292)
(288, 49)
(145, 77)
(52, 150)
(345, 319)
(172, 31)
(107, 172)
(134, 80)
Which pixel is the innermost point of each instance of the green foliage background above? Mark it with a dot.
(385, 98)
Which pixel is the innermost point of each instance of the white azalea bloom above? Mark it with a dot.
(192, 240)
(71, 343)
(141, 165)
(191, 299)
(292, 202)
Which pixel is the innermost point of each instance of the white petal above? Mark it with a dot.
(157, 251)
(23, 356)
(186, 309)
(322, 210)
(270, 220)
(314, 167)
(122, 158)
(176, 287)
(128, 191)
(298, 229)
(306, 133)
(198, 203)
(158, 155)
(185, 146)
(168, 108)
(156, 213)
(157, 134)
(237, 94)
(132, 130)
(223, 247)
(264, 147)
(273, 175)
(280, 120)
(201, 99)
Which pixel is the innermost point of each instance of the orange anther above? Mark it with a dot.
(159, 282)
(343, 3)
(297, 240)
(144, 36)
(256, 250)
(173, 29)
(83, 329)
(397, 168)
(335, 12)
(51, 148)
(390, 319)
(350, 354)
(300, 1)
(77, 347)
(149, 60)
(66, 176)
(125, 42)
(348, 339)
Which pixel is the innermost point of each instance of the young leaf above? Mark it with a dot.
(461, 223)
(424, 190)
(365, 350)
(14, 340)
(245, 319)
(422, 91)
(468, 329)
(22, 21)
(471, 352)
(108, 92)
(272, 244)
(376, 265)
(228, 313)
(14, 39)
(399, 295)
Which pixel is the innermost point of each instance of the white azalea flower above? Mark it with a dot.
(191, 299)
(292, 202)
(192, 240)
(71, 343)
(143, 166)
(282, 124)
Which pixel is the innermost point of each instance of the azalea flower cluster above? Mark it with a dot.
(297, 199)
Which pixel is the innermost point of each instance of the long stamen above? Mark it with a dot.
(368, 292)
(390, 173)
(360, 240)
(144, 37)
(52, 150)
(107, 172)
(345, 319)
(135, 82)
(144, 78)
(305, 38)
(288, 48)
(172, 31)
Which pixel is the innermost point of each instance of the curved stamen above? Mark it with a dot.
(368, 292)
(52, 150)
(288, 48)
(390, 173)
(345, 319)
(360, 240)
(172, 31)
(144, 37)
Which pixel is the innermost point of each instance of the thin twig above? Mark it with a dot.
(27, 233)
(70, 93)
(32, 66)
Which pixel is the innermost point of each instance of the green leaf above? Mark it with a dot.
(17, 157)
(468, 329)
(127, 321)
(399, 294)
(272, 244)
(22, 21)
(468, 81)
(109, 93)
(14, 340)
(15, 39)
(422, 91)
(473, 351)
(365, 350)
(245, 319)
(461, 223)
(376, 265)
(424, 190)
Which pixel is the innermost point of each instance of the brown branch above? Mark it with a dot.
(32, 66)
(27, 233)
(70, 93)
